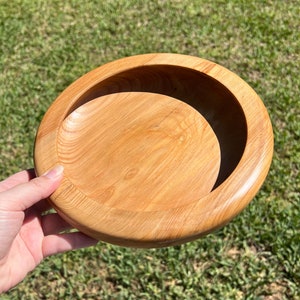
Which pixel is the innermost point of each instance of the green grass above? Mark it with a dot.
(46, 45)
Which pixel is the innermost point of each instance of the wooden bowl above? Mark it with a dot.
(158, 149)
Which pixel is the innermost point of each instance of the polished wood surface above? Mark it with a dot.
(208, 181)
(138, 152)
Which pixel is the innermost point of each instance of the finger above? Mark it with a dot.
(26, 194)
(53, 244)
(18, 178)
(53, 224)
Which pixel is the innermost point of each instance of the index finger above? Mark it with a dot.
(16, 179)
(24, 195)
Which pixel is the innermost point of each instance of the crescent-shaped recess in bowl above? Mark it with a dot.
(215, 102)
(231, 107)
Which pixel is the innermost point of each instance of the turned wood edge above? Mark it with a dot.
(221, 205)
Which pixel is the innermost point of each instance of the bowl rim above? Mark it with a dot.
(180, 224)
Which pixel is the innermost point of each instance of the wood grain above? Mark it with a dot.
(229, 105)
(138, 152)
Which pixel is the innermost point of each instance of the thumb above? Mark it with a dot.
(26, 194)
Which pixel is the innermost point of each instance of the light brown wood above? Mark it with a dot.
(137, 152)
(239, 126)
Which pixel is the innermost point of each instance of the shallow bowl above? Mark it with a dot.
(158, 149)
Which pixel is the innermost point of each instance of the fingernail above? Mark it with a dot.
(55, 172)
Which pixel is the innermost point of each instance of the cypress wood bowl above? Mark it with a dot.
(158, 149)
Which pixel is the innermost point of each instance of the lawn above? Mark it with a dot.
(46, 45)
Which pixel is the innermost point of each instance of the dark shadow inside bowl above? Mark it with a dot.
(213, 100)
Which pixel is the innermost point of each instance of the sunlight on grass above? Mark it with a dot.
(44, 46)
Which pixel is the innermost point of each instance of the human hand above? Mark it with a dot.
(26, 235)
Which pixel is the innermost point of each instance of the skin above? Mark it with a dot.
(27, 235)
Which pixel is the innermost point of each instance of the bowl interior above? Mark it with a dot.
(213, 100)
(138, 151)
